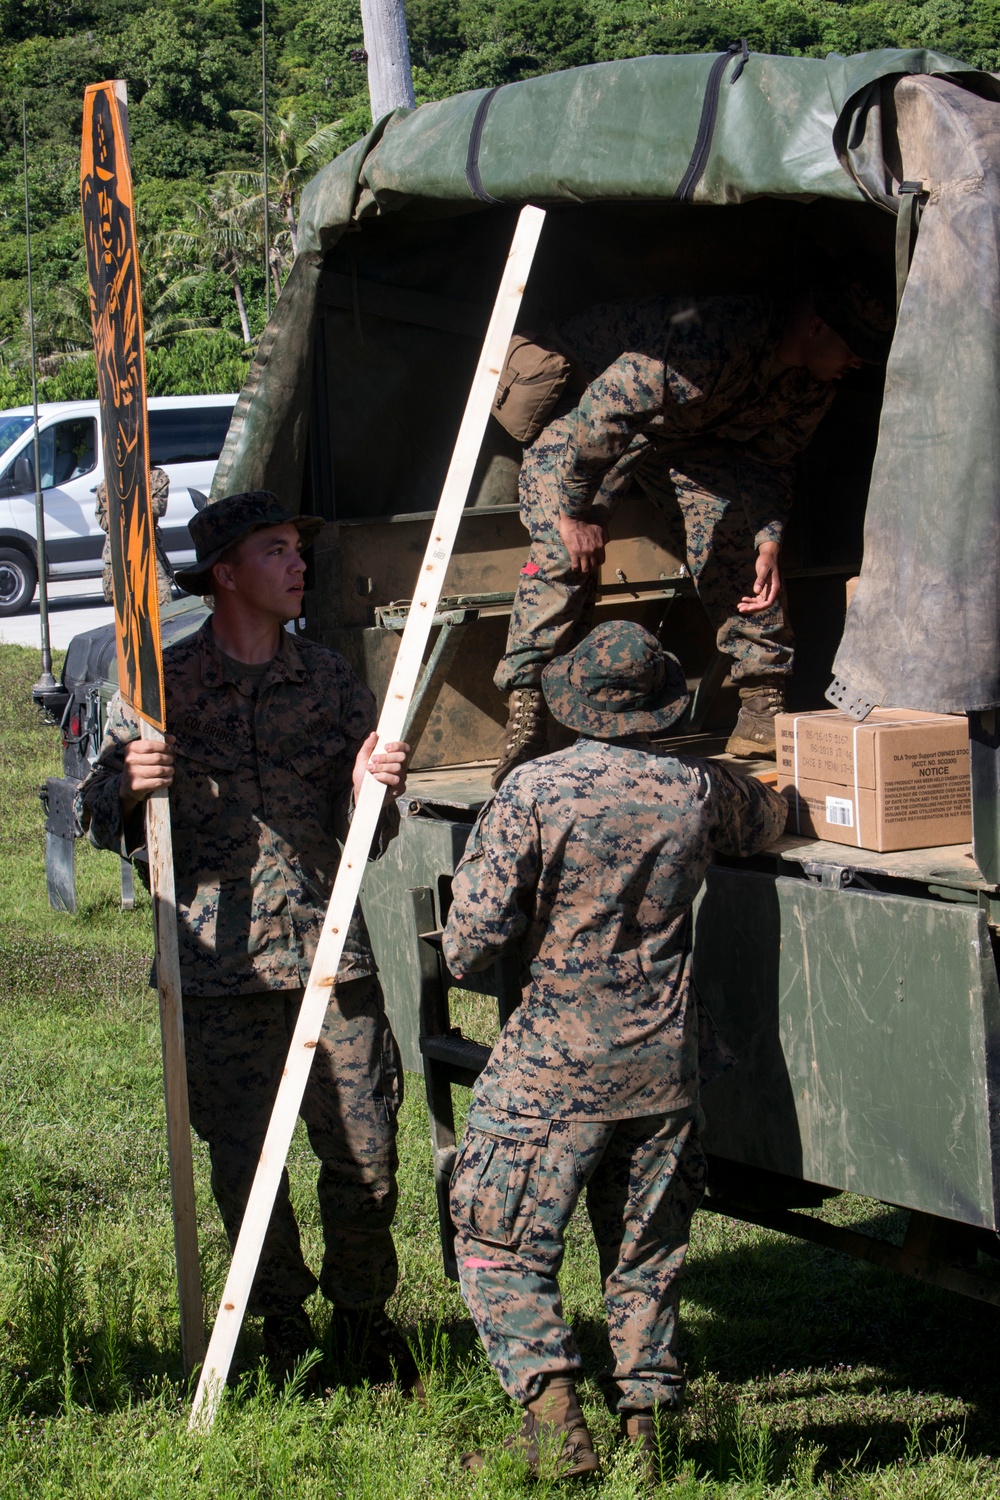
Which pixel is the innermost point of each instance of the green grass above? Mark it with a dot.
(811, 1375)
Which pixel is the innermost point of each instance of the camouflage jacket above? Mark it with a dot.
(260, 798)
(159, 490)
(588, 861)
(668, 371)
(159, 494)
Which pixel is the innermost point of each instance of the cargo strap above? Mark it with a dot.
(706, 125)
(907, 220)
(472, 176)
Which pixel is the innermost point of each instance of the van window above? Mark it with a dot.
(189, 436)
(66, 450)
(11, 429)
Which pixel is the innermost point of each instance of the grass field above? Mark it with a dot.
(810, 1375)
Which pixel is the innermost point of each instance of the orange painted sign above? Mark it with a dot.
(116, 315)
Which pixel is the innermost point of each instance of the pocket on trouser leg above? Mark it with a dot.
(494, 1186)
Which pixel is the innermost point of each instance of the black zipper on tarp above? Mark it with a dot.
(706, 125)
(472, 176)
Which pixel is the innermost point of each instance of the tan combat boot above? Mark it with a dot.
(553, 1427)
(647, 1430)
(525, 735)
(760, 699)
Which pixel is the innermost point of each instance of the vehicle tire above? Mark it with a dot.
(18, 576)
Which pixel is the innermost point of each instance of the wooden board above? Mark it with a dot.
(159, 845)
(425, 595)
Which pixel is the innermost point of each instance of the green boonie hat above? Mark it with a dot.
(221, 525)
(618, 682)
(855, 299)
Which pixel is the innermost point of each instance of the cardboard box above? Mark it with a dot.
(849, 588)
(898, 780)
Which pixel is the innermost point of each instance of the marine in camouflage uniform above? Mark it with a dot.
(588, 862)
(689, 399)
(159, 483)
(699, 413)
(260, 798)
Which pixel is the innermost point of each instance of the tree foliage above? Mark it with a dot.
(193, 73)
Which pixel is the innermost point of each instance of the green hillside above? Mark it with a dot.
(196, 165)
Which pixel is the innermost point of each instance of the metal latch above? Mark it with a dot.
(835, 877)
(830, 877)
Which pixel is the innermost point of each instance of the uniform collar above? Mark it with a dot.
(287, 665)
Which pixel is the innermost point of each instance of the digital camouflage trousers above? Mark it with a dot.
(699, 497)
(515, 1185)
(236, 1049)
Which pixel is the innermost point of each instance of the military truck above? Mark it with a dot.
(859, 990)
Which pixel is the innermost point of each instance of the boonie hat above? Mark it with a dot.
(619, 681)
(221, 525)
(854, 298)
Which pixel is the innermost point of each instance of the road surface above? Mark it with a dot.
(72, 607)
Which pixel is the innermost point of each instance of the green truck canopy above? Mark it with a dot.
(922, 630)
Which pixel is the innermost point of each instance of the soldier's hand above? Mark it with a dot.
(767, 583)
(149, 765)
(388, 767)
(585, 542)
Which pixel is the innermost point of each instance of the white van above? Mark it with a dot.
(186, 434)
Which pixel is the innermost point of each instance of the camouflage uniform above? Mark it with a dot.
(697, 411)
(160, 487)
(588, 861)
(261, 794)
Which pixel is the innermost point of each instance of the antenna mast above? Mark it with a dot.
(263, 116)
(46, 681)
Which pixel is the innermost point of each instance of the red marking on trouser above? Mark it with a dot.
(530, 569)
(476, 1263)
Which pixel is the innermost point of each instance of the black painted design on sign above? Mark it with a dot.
(116, 315)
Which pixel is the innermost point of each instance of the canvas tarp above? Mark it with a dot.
(924, 630)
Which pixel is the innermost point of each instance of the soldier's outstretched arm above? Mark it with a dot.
(493, 892)
(748, 816)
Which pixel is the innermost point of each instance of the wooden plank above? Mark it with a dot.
(159, 845)
(426, 594)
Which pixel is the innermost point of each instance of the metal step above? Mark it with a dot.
(462, 1058)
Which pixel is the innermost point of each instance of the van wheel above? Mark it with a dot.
(18, 577)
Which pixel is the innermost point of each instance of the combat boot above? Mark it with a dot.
(554, 1427)
(287, 1337)
(370, 1340)
(646, 1430)
(760, 699)
(525, 735)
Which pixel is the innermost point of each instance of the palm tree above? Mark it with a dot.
(71, 334)
(293, 158)
(218, 236)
